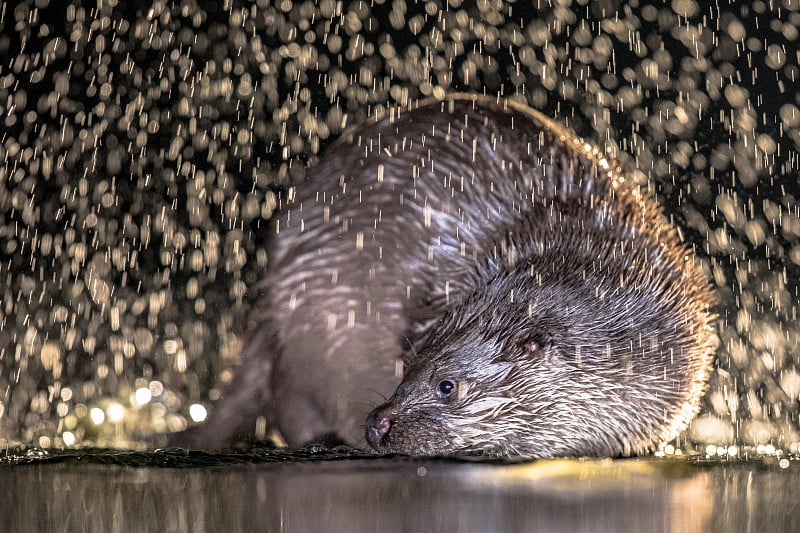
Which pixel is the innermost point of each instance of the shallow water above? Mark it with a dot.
(268, 490)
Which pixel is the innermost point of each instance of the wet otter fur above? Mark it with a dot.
(537, 302)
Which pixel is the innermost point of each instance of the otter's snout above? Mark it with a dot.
(378, 426)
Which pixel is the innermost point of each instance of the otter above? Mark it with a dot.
(512, 293)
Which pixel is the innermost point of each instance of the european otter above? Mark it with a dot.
(539, 303)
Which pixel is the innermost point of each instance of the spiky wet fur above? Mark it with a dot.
(480, 241)
(564, 361)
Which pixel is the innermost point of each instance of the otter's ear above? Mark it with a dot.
(527, 348)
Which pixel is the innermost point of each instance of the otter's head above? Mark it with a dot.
(552, 371)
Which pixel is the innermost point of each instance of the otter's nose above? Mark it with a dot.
(378, 427)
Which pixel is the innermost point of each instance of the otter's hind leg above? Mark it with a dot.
(233, 417)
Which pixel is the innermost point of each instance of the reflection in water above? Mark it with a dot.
(357, 496)
(404, 495)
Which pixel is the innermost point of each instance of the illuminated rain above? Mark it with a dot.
(141, 149)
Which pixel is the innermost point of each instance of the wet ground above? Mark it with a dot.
(333, 491)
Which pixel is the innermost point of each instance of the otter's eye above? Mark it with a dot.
(445, 388)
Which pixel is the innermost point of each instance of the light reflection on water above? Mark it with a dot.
(405, 495)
